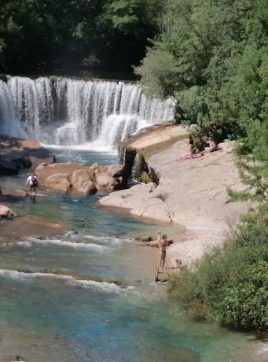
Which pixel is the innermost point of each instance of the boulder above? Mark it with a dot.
(75, 177)
(91, 170)
(103, 180)
(145, 178)
(19, 193)
(40, 166)
(8, 168)
(6, 212)
(58, 182)
(116, 170)
(80, 179)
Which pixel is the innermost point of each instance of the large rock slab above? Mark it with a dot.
(190, 192)
(155, 139)
(139, 202)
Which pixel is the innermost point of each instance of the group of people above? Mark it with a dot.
(210, 146)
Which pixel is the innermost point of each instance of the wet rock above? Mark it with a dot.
(19, 192)
(6, 212)
(8, 167)
(58, 182)
(82, 183)
(103, 180)
(116, 170)
(16, 154)
(41, 166)
(145, 178)
(74, 177)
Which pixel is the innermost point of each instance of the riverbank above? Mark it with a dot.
(191, 193)
(190, 203)
(100, 247)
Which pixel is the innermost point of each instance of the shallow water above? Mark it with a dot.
(88, 295)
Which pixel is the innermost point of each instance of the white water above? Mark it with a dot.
(74, 112)
(67, 279)
(64, 243)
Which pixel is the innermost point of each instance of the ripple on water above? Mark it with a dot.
(63, 243)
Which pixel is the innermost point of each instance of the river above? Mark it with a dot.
(89, 294)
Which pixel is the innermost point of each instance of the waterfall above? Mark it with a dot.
(70, 112)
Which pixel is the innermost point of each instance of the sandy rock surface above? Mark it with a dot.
(192, 193)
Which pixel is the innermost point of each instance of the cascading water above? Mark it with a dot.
(75, 112)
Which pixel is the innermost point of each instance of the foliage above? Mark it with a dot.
(219, 61)
(229, 285)
(159, 68)
(212, 56)
(41, 36)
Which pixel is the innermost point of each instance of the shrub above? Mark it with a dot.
(230, 284)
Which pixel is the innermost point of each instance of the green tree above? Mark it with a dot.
(75, 35)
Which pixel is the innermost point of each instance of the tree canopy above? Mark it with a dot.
(212, 56)
(72, 36)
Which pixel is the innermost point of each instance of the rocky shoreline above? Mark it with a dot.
(191, 195)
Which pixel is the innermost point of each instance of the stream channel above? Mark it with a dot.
(59, 302)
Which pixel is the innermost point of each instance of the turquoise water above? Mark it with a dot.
(89, 295)
(83, 155)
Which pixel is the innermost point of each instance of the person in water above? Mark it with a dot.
(163, 244)
(32, 181)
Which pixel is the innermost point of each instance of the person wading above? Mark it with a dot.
(32, 181)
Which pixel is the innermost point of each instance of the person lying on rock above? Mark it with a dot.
(211, 145)
(192, 151)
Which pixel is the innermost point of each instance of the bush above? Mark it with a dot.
(230, 284)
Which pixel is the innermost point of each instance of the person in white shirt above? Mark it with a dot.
(32, 181)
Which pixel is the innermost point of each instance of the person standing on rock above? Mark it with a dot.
(163, 245)
(32, 181)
